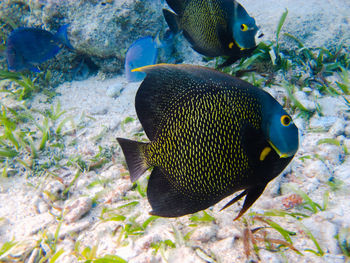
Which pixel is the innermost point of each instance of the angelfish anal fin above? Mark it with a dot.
(167, 201)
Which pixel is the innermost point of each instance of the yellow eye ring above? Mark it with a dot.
(286, 120)
(244, 27)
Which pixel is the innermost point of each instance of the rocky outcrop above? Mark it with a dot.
(99, 31)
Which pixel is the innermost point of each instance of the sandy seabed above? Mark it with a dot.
(91, 213)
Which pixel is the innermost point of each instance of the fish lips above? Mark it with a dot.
(284, 153)
(245, 46)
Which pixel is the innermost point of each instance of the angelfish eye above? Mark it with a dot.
(244, 27)
(285, 120)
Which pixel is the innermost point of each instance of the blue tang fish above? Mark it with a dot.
(141, 53)
(28, 47)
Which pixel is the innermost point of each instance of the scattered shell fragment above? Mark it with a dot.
(75, 210)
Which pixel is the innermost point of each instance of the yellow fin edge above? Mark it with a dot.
(144, 68)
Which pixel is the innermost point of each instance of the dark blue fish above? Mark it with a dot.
(28, 47)
(141, 53)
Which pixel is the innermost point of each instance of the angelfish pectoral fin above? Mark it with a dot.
(252, 195)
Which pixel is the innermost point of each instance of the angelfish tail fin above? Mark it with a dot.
(134, 156)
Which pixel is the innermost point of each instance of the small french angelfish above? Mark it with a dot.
(211, 134)
(141, 53)
(28, 47)
(214, 27)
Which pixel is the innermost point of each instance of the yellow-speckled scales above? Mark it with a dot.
(206, 139)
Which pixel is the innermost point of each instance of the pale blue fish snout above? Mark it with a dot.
(283, 137)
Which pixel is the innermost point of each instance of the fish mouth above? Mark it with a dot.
(241, 48)
(281, 155)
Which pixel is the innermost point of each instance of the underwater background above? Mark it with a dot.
(65, 190)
